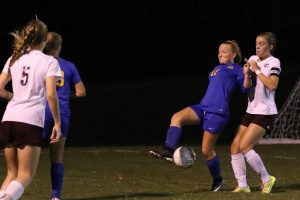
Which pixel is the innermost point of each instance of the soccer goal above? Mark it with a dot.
(286, 129)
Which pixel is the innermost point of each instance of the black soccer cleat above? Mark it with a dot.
(166, 153)
(217, 184)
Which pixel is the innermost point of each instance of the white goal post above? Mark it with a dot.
(286, 129)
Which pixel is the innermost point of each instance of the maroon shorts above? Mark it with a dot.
(19, 134)
(265, 121)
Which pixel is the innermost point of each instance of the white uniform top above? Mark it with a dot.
(263, 101)
(29, 75)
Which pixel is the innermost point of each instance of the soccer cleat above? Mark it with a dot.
(269, 185)
(217, 184)
(165, 153)
(239, 189)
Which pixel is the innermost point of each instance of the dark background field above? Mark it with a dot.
(141, 61)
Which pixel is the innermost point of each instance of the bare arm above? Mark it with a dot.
(269, 82)
(80, 89)
(54, 107)
(4, 79)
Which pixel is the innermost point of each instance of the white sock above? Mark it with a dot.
(6, 197)
(239, 169)
(15, 189)
(2, 193)
(256, 163)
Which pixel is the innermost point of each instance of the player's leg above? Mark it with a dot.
(10, 154)
(57, 167)
(186, 116)
(213, 126)
(250, 138)
(57, 160)
(28, 158)
(28, 140)
(238, 161)
(212, 160)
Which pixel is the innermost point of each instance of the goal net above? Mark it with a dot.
(286, 129)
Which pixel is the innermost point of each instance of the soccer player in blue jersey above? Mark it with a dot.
(212, 112)
(70, 78)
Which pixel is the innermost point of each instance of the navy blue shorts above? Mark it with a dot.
(211, 122)
(49, 123)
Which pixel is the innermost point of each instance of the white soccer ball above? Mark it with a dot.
(184, 157)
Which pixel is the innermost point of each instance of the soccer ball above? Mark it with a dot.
(184, 157)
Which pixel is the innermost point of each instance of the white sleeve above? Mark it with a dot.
(6, 66)
(275, 67)
(54, 69)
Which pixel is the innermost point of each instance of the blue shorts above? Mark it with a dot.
(49, 123)
(213, 123)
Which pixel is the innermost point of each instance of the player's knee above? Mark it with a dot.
(176, 119)
(26, 177)
(207, 153)
(234, 148)
(244, 148)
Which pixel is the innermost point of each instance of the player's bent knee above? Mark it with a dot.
(207, 153)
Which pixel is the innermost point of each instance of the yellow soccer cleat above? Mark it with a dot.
(267, 187)
(239, 189)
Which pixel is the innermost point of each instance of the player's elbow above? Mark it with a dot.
(80, 90)
(272, 89)
(80, 93)
(51, 96)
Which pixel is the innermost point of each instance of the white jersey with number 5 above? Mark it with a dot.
(29, 75)
(263, 99)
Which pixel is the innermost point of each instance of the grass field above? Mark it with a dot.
(127, 172)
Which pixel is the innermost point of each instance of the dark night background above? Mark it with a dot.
(142, 61)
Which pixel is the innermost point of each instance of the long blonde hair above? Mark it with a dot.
(31, 35)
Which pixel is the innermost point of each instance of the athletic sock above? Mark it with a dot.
(57, 175)
(15, 190)
(2, 193)
(173, 136)
(239, 169)
(214, 167)
(256, 163)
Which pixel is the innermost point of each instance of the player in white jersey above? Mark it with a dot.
(261, 77)
(34, 76)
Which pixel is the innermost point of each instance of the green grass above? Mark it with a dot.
(127, 172)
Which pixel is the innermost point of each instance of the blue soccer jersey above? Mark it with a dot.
(223, 80)
(70, 77)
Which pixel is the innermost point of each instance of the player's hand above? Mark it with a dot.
(246, 67)
(253, 65)
(56, 134)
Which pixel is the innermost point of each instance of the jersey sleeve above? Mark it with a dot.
(54, 69)
(76, 77)
(275, 68)
(240, 79)
(6, 66)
